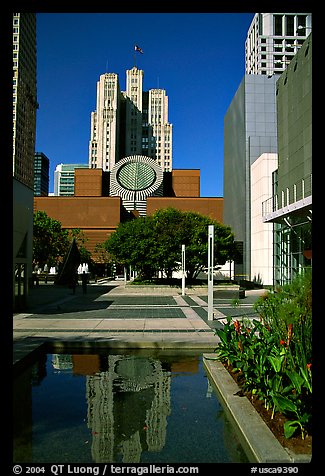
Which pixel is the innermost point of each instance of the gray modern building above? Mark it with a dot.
(251, 139)
(289, 208)
(250, 129)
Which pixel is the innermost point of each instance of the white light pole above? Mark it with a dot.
(210, 270)
(183, 270)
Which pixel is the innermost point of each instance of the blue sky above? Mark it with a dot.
(198, 58)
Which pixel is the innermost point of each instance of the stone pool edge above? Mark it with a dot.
(25, 349)
(257, 439)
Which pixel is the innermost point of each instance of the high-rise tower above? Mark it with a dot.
(132, 122)
(24, 97)
(24, 132)
(41, 174)
(273, 39)
(104, 134)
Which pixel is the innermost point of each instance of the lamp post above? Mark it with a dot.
(210, 270)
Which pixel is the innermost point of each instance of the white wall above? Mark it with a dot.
(262, 233)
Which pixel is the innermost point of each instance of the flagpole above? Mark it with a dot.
(136, 48)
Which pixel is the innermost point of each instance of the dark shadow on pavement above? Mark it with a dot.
(54, 299)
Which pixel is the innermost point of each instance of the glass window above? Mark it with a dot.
(301, 25)
(290, 25)
(278, 25)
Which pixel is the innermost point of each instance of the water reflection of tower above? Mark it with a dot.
(62, 362)
(128, 407)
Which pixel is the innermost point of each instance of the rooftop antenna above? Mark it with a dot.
(106, 70)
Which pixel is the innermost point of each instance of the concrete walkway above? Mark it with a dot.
(117, 314)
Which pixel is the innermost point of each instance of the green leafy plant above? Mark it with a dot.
(273, 354)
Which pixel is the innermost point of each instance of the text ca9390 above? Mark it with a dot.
(275, 470)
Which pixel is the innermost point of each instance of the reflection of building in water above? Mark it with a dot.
(62, 362)
(128, 407)
(23, 382)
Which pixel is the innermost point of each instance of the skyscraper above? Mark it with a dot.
(131, 122)
(24, 96)
(273, 39)
(104, 133)
(41, 174)
(24, 131)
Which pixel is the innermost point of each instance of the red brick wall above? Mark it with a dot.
(212, 207)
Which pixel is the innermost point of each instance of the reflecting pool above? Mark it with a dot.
(120, 407)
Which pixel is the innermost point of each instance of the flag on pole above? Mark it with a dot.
(137, 48)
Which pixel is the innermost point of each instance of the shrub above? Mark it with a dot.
(274, 354)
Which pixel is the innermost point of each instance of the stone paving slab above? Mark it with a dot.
(142, 300)
(108, 311)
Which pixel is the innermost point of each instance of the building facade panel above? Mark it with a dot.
(186, 183)
(95, 237)
(289, 207)
(261, 233)
(88, 182)
(235, 163)
(97, 217)
(248, 133)
(211, 207)
(294, 101)
(82, 212)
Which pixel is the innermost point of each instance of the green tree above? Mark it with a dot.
(169, 228)
(195, 230)
(50, 241)
(152, 244)
(133, 243)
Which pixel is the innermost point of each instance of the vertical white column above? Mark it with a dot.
(210, 270)
(183, 270)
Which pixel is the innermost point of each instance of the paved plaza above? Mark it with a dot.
(119, 313)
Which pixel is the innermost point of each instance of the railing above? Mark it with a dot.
(298, 191)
